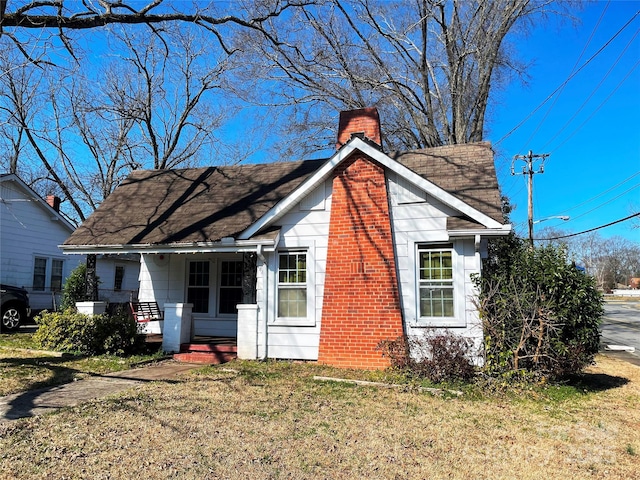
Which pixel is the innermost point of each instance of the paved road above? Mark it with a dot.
(621, 325)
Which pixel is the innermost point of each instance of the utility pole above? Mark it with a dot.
(528, 169)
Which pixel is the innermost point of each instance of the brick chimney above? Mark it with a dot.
(365, 121)
(54, 202)
(361, 303)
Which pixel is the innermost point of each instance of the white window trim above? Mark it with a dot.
(48, 271)
(459, 320)
(212, 272)
(219, 287)
(295, 245)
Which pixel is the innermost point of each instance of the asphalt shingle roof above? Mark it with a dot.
(161, 207)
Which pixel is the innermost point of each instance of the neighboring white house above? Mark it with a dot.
(31, 230)
(118, 277)
(316, 260)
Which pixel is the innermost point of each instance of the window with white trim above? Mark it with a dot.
(56, 274)
(292, 285)
(39, 274)
(198, 286)
(436, 295)
(230, 286)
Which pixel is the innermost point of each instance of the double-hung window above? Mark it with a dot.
(436, 296)
(56, 275)
(230, 286)
(39, 274)
(292, 285)
(118, 278)
(198, 286)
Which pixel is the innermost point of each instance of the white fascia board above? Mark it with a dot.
(485, 232)
(200, 247)
(429, 187)
(299, 193)
(356, 143)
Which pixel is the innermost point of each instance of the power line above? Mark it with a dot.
(592, 229)
(601, 193)
(607, 202)
(593, 92)
(599, 106)
(561, 86)
(555, 100)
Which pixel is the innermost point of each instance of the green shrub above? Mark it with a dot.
(74, 289)
(540, 314)
(69, 331)
(438, 355)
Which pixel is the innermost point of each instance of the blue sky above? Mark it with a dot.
(593, 171)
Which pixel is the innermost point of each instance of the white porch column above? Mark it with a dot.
(247, 331)
(177, 326)
(91, 308)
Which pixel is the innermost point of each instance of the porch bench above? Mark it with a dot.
(146, 311)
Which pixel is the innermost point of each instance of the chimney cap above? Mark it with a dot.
(362, 122)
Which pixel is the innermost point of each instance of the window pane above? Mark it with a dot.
(56, 275)
(199, 297)
(198, 286)
(292, 289)
(119, 276)
(435, 276)
(230, 287)
(292, 302)
(39, 273)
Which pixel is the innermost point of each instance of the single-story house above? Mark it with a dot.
(314, 260)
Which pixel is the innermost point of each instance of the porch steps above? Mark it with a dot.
(206, 353)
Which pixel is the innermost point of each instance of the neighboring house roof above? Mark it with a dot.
(202, 205)
(35, 198)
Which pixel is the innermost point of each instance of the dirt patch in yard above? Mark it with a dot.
(274, 421)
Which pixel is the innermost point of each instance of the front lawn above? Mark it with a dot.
(273, 420)
(23, 366)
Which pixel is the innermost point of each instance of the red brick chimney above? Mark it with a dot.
(361, 303)
(363, 121)
(54, 202)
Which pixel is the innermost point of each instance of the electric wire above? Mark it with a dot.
(605, 203)
(591, 229)
(579, 127)
(600, 194)
(555, 100)
(569, 78)
(593, 92)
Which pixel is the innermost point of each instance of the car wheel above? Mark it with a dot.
(12, 317)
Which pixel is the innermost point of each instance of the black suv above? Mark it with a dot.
(15, 307)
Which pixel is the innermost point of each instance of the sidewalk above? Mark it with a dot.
(38, 402)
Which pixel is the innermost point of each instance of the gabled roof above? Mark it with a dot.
(195, 205)
(207, 205)
(36, 199)
(465, 171)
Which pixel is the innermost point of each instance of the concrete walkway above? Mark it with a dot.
(38, 402)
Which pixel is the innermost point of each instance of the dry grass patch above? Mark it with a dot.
(23, 367)
(273, 421)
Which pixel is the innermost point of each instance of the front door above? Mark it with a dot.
(214, 287)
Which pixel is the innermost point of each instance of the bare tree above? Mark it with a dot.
(62, 16)
(430, 66)
(153, 105)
